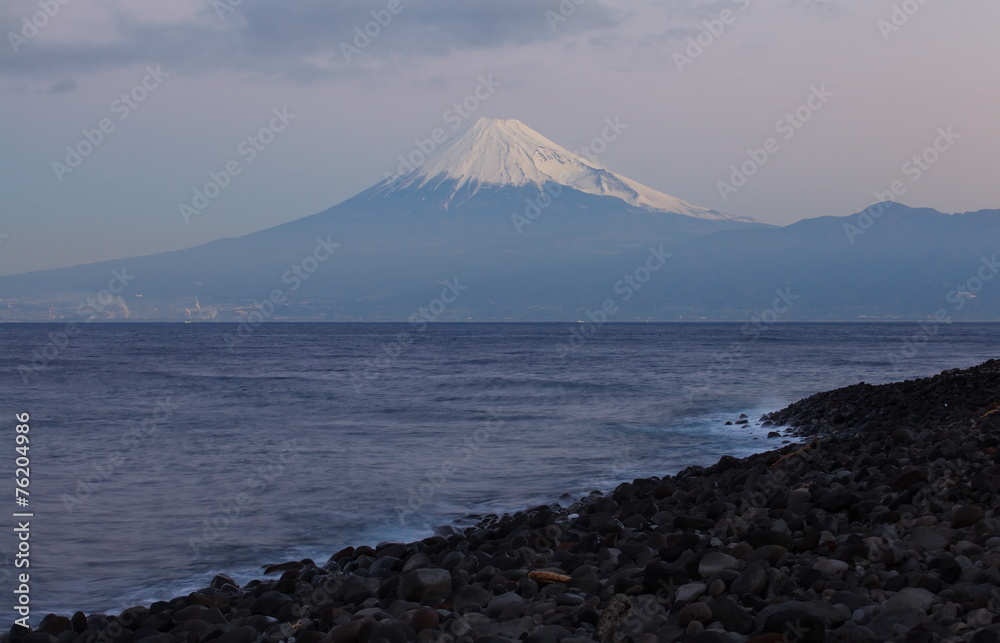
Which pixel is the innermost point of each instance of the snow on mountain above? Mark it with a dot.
(506, 152)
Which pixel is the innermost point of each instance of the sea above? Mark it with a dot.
(163, 454)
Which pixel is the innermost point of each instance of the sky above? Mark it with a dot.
(115, 112)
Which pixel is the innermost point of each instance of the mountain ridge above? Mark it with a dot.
(533, 249)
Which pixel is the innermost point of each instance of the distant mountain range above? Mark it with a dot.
(502, 224)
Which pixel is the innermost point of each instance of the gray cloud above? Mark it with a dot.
(825, 7)
(278, 38)
(62, 87)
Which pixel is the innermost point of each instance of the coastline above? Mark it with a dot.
(883, 521)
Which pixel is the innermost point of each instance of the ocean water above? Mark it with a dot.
(160, 457)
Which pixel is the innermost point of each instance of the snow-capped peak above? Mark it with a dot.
(509, 153)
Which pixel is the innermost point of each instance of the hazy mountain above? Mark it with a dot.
(501, 223)
(905, 263)
(496, 202)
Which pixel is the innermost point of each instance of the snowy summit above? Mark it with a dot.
(506, 152)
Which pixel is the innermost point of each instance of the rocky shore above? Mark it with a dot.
(880, 526)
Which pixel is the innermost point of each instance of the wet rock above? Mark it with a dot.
(569, 600)
(892, 620)
(388, 631)
(914, 597)
(426, 584)
(827, 566)
(471, 597)
(796, 625)
(825, 614)
(908, 480)
(353, 632)
(79, 622)
(509, 604)
(38, 637)
(715, 562)
(268, 604)
(966, 516)
(242, 634)
(752, 580)
(156, 638)
(986, 636)
(206, 614)
(700, 612)
(928, 539)
(709, 636)
(422, 619)
(733, 617)
(772, 554)
(548, 634)
(799, 495)
(222, 580)
(852, 635)
(282, 567)
(764, 537)
(356, 590)
(691, 591)
(55, 625)
(902, 436)
(768, 638)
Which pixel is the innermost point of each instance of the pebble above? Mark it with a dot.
(425, 584)
(691, 592)
(827, 566)
(694, 612)
(715, 562)
(966, 516)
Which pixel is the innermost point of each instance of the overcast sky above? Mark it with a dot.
(215, 71)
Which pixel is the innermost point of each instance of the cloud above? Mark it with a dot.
(299, 39)
(825, 7)
(62, 87)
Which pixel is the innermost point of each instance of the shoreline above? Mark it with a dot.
(884, 521)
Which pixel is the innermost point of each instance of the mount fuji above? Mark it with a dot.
(501, 223)
(509, 153)
(495, 207)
